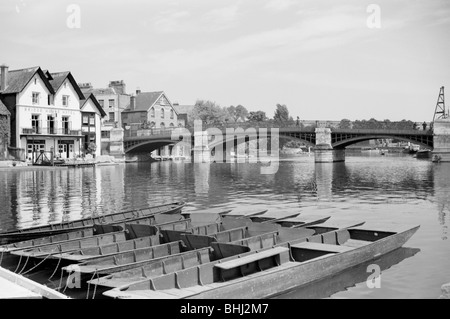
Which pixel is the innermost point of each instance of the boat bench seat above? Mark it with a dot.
(206, 229)
(242, 261)
(260, 241)
(230, 235)
(322, 247)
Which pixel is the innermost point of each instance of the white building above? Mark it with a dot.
(45, 112)
(91, 116)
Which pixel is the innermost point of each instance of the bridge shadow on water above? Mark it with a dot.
(327, 287)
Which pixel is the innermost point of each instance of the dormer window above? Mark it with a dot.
(35, 97)
(65, 100)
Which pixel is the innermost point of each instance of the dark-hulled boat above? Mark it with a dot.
(263, 273)
(85, 223)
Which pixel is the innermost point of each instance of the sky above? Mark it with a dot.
(324, 59)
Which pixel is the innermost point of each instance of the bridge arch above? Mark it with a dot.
(145, 146)
(426, 143)
(252, 136)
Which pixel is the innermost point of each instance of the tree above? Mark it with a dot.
(237, 113)
(345, 124)
(258, 116)
(281, 115)
(91, 148)
(209, 113)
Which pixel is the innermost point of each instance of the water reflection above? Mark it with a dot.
(383, 188)
(442, 195)
(348, 278)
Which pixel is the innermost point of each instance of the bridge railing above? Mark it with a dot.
(148, 132)
(383, 131)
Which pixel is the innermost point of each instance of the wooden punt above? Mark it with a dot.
(268, 272)
(166, 235)
(302, 220)
(104, 238)
(64, 227)
(232, 242)
(272, 216)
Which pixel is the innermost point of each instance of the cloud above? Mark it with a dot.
(172, 22)
(279, 5)
(221, 18)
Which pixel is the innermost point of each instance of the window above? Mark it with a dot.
(37, 147)
(51, 124)
(65, 100)
(171, 114)
(162, 113)
(111, 103)
(162, 125)
(101, 102)
(35, 81)
(85, 120)
(35, 123)
(35, 97)
(152, 112)
(111, 116)
(66, 124)
(171, 125)
(152, 124)
(162, 101)
(49, 99)
(106, 134)
(92, 120)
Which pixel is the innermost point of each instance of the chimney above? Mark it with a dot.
(3, 77)
(138, 91)
(132, 102)
(119, 86)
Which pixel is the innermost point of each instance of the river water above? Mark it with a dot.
(393, 188)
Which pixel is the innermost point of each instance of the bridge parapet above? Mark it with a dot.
(441, 150)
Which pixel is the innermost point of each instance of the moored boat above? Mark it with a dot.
(85, 223)
(268, 272)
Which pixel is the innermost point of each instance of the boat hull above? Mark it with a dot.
(294, 275)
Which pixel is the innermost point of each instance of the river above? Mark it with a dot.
(393, 188)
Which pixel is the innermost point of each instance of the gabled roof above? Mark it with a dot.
(60, 77)
(183, 109)
(94, 99)
(4, 109)
(19, 79)
(48, 74)
(145, 100)
(105, 91)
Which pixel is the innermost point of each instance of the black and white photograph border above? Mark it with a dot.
(224, 150)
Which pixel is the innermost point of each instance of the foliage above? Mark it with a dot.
(281, 114)
(258, 116)
(345, 124)
(91, 148)
(237, 113)
(386, 124)
(209, 113)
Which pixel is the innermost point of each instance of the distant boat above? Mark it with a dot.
(131, 160)
(423, 154)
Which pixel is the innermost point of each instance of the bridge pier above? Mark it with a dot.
(202, 153)
(116, 142)
(324, 152)
(441, 140)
